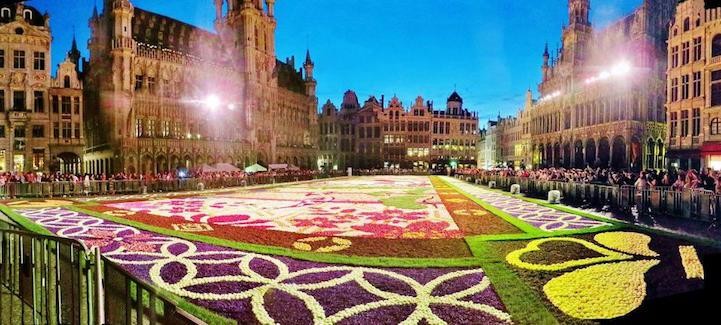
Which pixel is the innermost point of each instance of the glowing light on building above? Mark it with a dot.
(620, 69)
(212, 102)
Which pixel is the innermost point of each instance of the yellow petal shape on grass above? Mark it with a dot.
(627, 242)
(515, 258)
(602, 291)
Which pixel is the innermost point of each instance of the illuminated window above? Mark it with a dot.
(715, 126)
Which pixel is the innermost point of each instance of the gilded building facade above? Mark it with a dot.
(376, 135)
(603, 92)
(41, 127)
(164, 94)
(694, 86)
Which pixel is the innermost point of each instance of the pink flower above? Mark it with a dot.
(131, 243)
(320, 222)
(388, 215)
(416, 230)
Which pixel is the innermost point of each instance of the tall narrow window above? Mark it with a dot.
(39, 102)
(2, 100)
(55, 104)
(19, 101)
(684, 86)
(138, 82)
(674, 90)
(674, 56)
(66, 104)
(674, 124)
(2, 59)
(684, 123)
(67, 130)
(697, 84)
(76, 105)
(697, 49)
(715, 126)
(19, 59)
(716, 88)
(39, 61)
(696, 127)
(685, 54)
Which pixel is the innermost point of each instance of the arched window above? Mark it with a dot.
(716, 45)
(698, 22)
(66, 82)
(5, 13)
(715, 126)
(675, 31)
(686, 24)
(28, 14)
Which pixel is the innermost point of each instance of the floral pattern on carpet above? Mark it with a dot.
(373, 207)
(543, 218)
(255, 288)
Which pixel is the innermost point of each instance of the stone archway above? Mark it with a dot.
(604, 152)
(146, 166)
(187, 162)
(548, 156)
(578, 158)
(557, 161)
(161, 164)
(591, 152)
(567, 155)
(69, 163)
(619, 159)
(636, 158)
(174, 162)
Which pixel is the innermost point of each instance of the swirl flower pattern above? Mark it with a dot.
(260, 288)
(375, 207)
(543, 218)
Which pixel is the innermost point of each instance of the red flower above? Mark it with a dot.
(315, 222)
(416, 230)
(388, 215)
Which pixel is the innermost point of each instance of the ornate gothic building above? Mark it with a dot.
(41, 127)
(603, 92)
(164, 94)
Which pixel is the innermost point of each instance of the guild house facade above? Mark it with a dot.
(380, 135)
(41, 128)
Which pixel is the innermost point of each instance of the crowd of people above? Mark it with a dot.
(12, 182)
(707, 179)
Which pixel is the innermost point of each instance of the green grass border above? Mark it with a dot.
(24, 222)
(287, 252)
(523, 304)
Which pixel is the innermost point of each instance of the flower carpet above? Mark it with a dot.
(386, 250)
(253, 288)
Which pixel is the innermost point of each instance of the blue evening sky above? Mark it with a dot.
(489, 50)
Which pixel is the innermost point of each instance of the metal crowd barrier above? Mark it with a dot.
(690, 204)
(62, 189)
(53, 280)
